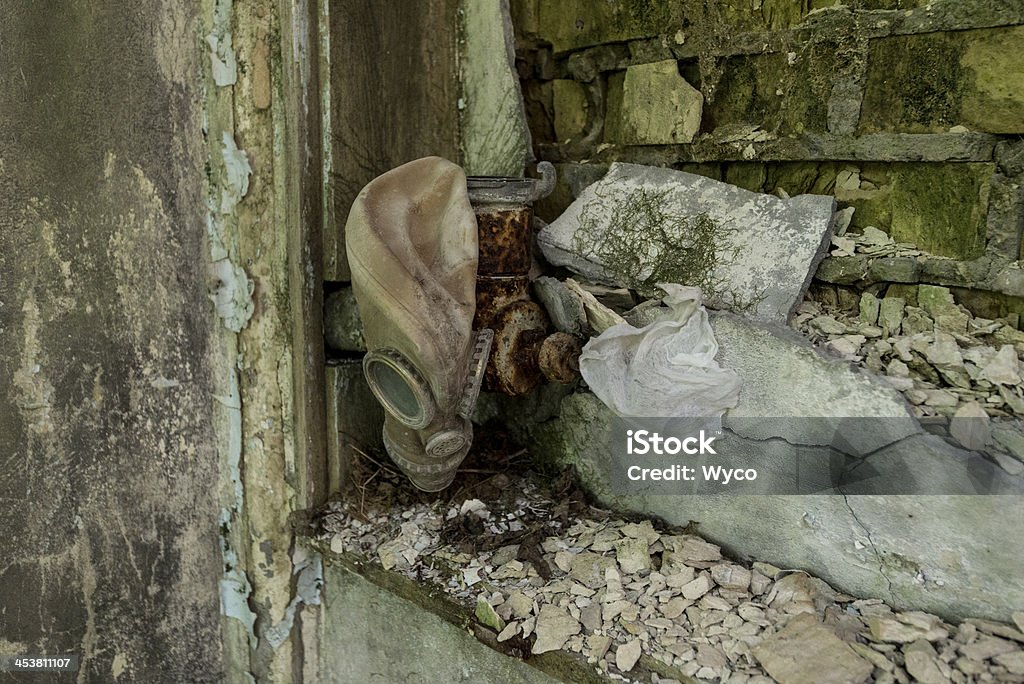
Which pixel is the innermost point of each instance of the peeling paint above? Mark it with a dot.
(308, 585)
(35, 393)
(117, 667)
(234, 595)
(233, 403)
(236, 164)
(223, 64)
(233, 295)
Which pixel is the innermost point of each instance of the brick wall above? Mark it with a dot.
(911, 113)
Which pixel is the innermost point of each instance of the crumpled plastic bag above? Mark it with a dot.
(665, 369)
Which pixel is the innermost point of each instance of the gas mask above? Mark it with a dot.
(430, 316)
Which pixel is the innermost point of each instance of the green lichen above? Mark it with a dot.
(645, 243)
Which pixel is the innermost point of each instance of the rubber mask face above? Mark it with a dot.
(411, 239)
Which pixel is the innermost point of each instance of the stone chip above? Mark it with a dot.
(627, 655)
(554, 627)
(807, 652)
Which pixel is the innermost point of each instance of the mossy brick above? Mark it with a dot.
(904, 291)
(931, 82)
(706, 169)
(941, 208)
(986, 304)
(994, 102)
(794, 177)
(780, 92)
(573, 24)
(656, 107)
(767, 14)
(871, 200)
(747, 175)
(525, 17)
(887, 4)
(571, 107)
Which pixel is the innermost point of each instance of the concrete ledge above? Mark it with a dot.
(386, 627)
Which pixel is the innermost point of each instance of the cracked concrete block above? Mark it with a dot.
(951, 555)
(641, 225)
(784, 377)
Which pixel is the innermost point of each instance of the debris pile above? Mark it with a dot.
(640, 602)
(946, 362)
(870, 242)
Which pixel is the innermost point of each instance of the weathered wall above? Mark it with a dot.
(162, 415)
(107, 444)
(394, 95)
(912, 114)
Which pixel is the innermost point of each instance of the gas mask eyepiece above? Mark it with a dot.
(399, 387)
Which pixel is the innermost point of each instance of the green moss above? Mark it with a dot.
(570, 102)
(913, 83)
(988, 304)
(941, 207)
(571, 24)
(993, 98)
(778, 92)
(796, 178)
(931, 82)
(749, 176)
(708, 170)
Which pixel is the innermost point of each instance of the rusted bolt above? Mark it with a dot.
(559, 358)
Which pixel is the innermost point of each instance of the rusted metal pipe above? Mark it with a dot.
(522, 357)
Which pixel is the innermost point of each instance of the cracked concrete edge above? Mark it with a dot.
(415, 597)
(955, 556)
(262, 415)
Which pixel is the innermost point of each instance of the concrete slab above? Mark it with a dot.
(751, 253)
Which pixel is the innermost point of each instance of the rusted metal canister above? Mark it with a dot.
(504, 226)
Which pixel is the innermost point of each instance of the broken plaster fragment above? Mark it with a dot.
(487, 616)
(222, 59)
(237, 170)
(233, 297)
(599, 316)
(642, 225)
(554, 627)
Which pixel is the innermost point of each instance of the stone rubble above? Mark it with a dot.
(870, 242)
(961, 374)
(627, 595)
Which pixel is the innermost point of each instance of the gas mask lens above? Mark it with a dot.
(399, 387)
